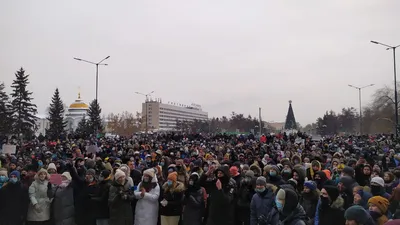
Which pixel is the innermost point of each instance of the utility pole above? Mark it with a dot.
(259, 116)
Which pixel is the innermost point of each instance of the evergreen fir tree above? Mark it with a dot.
(95, 122)
(56, 117)
(23, 111)
(290, 120)
(82, 131)
(5, 113)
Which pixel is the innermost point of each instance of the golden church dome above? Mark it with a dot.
(79, 104)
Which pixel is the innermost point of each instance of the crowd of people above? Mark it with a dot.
(202, 179)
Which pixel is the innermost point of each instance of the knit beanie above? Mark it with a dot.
(358, 214)
(378, 181)
(52, 166)
(311, 185)
(380, 202)
(67, 175)
(15, 173)
(281, 195)
(149, 172)
(91, 172)
(173, 176)
(105, 173)
(348, 170)
(261, 181)
(118, 174)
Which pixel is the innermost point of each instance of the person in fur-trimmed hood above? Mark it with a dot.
(172, 199)
(330, 210)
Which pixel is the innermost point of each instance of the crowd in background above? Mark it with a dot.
(202, 179)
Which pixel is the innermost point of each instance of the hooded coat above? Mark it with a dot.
(146, 212)
(222, 211)
(15, 202)
(260, 207)
(174, 196)
(297, 217)
(334, 214)
(194, 202)
(39, 194)
(120, 209)
(63, 205)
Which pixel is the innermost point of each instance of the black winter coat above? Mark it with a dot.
(194, 206)
(333, 215)
(120, 209)
(174, 198)
(297, 217)
(14, 204)
(100, 201)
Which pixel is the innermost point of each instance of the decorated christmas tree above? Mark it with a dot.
(290, 123)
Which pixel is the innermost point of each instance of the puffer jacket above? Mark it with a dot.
(63, 205)
(260, 207)
(39, 194)
(174, 198)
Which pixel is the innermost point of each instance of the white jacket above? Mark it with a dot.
(146, 212)
(38, 195)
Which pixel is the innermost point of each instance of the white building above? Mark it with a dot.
(162, 116)
(75, 113)
(42, 123)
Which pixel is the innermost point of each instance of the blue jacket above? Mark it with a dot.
(260, 206)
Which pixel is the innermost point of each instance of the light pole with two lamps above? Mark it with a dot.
(359, 99)
(147, 116)
(396, 109)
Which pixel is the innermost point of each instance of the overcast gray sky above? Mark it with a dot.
(226, 55)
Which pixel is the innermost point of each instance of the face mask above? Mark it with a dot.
(260, 190)
(101, 178)
(169, 183)
(287, 171)
(272, 173)
(375, 215)
(3, 179)
(14, 180)
(279, 205)
(148, 161)
(90, 180)
(40, 164)
(205, 169)
(146, 179)
(375, 190)
(324, 202)
(191, 183)
(161, 163)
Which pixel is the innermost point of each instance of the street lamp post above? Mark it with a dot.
(388, 47)
(147, 116)
(97, 71)
(359, 99)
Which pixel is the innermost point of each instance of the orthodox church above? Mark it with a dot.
(75, 113)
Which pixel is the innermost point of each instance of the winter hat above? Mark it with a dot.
(380, 202)
(91, 172)
(3, 172)
(118, 174)
(273, 167)
(52, 166)
(378, 181)
(15, 173)
(327, 173)
(249, 173)
(195, 174)
(291, 200)
(358, 214)
(173, 176)
(149, 172)
(311, 185)
(67, 175)
(234, 170)
(332, 190)
(245, 167)
(348, 170)
(281, 195)
(261, 181)
(105, 173)
(293, 182)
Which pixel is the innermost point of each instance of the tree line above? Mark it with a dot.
(377, 117)
(18, 115)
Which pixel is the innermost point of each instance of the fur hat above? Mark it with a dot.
(118, 174)
(67, 175)
(380, 202)
(173, 176)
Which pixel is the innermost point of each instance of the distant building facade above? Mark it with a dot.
(161, 116)
(42, 123)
